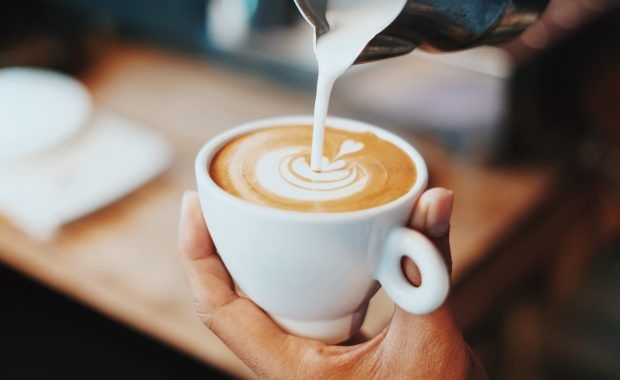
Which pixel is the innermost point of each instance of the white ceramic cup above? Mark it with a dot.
(314, 273)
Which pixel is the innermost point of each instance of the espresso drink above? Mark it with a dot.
(272, 167)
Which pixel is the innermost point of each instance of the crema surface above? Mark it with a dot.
(272, 167)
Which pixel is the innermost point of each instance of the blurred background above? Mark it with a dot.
(121, 95)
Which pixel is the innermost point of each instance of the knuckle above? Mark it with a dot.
(204, 312)
(214, 313)
(206, 319)
(188, 244)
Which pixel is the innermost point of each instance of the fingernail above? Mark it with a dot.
(438, 217)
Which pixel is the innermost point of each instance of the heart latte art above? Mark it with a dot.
(272, 167)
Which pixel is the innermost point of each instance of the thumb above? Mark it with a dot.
(431, 216)
(434, 340)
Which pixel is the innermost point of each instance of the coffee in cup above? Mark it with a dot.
(271, 167)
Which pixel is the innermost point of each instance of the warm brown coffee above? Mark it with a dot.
(272, 167)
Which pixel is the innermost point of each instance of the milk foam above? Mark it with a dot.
(286, 172)
(354, 23)
(271, 167)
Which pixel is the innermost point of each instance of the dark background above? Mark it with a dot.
(44, 335)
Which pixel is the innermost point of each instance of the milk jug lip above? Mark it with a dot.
(213, 146)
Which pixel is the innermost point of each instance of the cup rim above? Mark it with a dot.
(210, 149)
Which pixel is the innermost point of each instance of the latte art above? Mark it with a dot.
(295, 179)
(272, 167)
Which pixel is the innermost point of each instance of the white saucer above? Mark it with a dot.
(39, 110)
(110, 159)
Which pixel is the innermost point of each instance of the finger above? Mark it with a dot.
(237, 321)
(431, 216)
(208, 279)
(437, 331)
(435, 338)
(432, 213)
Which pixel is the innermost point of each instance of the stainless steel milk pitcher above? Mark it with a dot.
(439, 25)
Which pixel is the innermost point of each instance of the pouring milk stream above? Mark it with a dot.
(354, 23)
(290, 171)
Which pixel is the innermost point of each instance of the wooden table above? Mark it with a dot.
(122, 260)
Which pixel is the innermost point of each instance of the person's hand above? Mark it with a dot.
(411, 346)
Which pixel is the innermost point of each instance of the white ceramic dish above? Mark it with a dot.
(39, 110)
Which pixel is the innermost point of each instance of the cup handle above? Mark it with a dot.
(435, 279)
